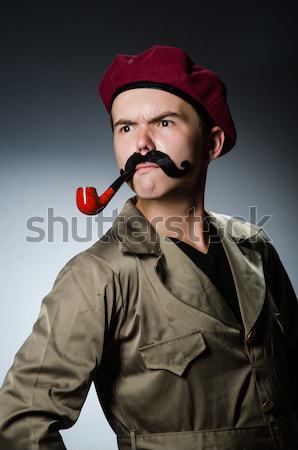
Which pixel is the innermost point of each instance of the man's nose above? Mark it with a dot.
(145, 141)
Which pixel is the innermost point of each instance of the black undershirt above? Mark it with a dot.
(216, 266)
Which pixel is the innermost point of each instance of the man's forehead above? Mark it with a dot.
(147, 103)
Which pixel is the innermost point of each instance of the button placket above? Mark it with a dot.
(267, 406)
(251, 337)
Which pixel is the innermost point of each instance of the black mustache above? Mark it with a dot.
(159, 158)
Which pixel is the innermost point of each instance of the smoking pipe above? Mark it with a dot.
(90, 203)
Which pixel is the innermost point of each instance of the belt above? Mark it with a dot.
(280, 434)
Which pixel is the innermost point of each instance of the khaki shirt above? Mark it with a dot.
(172, 367)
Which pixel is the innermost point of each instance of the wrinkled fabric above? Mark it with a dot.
(172, 366)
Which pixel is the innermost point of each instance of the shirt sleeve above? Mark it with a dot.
(287, 304)
(48, 382)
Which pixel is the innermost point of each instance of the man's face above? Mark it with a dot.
(146, 119)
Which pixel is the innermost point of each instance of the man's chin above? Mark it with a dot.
(152, 196)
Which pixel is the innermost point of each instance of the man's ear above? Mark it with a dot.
(216, 140)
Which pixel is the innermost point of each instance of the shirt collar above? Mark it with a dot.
(136, 235)
(134, 232)
(234, 228)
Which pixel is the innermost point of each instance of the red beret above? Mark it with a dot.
(172, 70)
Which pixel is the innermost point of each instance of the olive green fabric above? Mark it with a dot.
(172, 366)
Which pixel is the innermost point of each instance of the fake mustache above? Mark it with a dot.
(161, 159)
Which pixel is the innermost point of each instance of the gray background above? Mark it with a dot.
(55, 135)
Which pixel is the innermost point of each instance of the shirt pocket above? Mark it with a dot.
(174, 354)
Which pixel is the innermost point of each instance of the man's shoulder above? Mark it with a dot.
(106, 248)
(106, 251)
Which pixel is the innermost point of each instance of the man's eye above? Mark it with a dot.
(165, 122)
(125, 129)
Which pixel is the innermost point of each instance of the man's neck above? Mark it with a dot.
(184, 219)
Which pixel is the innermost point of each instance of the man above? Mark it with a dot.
(185, 320)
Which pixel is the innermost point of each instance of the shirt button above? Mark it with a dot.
(267, 406)
(250, 338)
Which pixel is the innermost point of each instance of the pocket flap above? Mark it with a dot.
(174, 354)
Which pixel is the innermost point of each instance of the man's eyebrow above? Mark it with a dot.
(153, 120)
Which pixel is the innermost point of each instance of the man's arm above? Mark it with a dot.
(287, 304)
(48, 383)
